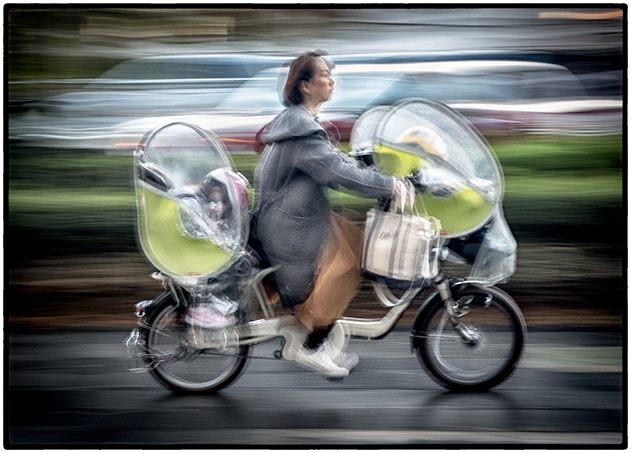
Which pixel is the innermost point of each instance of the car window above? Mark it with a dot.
(449, 88)
(256, 95)
(553, 84)
(362, 91)
(157, 69)
(500, 86)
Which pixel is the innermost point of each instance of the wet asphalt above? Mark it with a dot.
(72, 388)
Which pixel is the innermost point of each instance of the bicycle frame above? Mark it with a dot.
(269, 327)
(186, 343)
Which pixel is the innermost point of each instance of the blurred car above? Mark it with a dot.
(495, 95)
(150, 86)
(512, 95)
(522, 96)
(239, 118)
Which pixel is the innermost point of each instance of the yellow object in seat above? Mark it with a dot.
(458, 213)
(398, 163)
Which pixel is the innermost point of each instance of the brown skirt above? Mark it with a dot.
(338, 276)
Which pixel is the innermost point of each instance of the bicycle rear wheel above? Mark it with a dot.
(189, 359)
(488, 355)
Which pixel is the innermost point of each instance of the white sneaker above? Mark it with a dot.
(319, 361)
(348, 360)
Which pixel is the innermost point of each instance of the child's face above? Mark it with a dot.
(217, 193)
(216, 198)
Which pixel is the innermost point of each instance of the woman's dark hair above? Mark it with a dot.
(301, 69)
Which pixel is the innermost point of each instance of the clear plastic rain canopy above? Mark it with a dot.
(192, 206)
(462, 179)
(423, 136)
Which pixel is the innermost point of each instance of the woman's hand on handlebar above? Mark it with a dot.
(399, 188)
(404, 189)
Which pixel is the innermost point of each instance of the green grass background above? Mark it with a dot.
(557, 188)
(71, 250)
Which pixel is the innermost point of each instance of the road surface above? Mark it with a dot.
(71, 388)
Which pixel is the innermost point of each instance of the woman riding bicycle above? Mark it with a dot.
(317, 252)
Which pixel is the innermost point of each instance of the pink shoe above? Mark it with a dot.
(205, 315)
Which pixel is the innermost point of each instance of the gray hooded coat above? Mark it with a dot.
(293, 210)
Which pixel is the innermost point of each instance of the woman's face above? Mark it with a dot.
(320, 88)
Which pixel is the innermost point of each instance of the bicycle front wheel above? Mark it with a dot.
(188, 359)
(479, 353)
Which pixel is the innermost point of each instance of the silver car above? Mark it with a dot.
(138, 88)
(495, 95)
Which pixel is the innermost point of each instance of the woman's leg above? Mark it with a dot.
(339, 274)
(315, 339)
